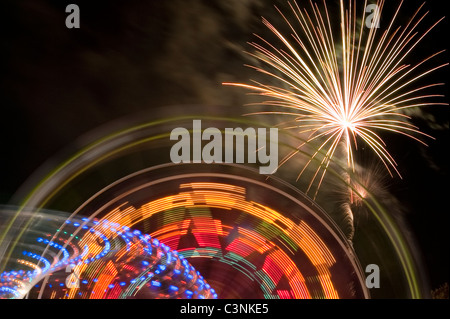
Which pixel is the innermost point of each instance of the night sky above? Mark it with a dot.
(131, 56)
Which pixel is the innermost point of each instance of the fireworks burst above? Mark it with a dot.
(346, 90)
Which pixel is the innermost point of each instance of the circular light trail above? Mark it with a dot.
(100, 259)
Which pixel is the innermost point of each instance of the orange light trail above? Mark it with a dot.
(207, 230)
(341, 91)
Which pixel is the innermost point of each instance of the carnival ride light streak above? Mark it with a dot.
(110, 258)
(274, 237)
(107, 260)
(339, 92)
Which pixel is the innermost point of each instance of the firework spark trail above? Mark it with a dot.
(335, 101)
